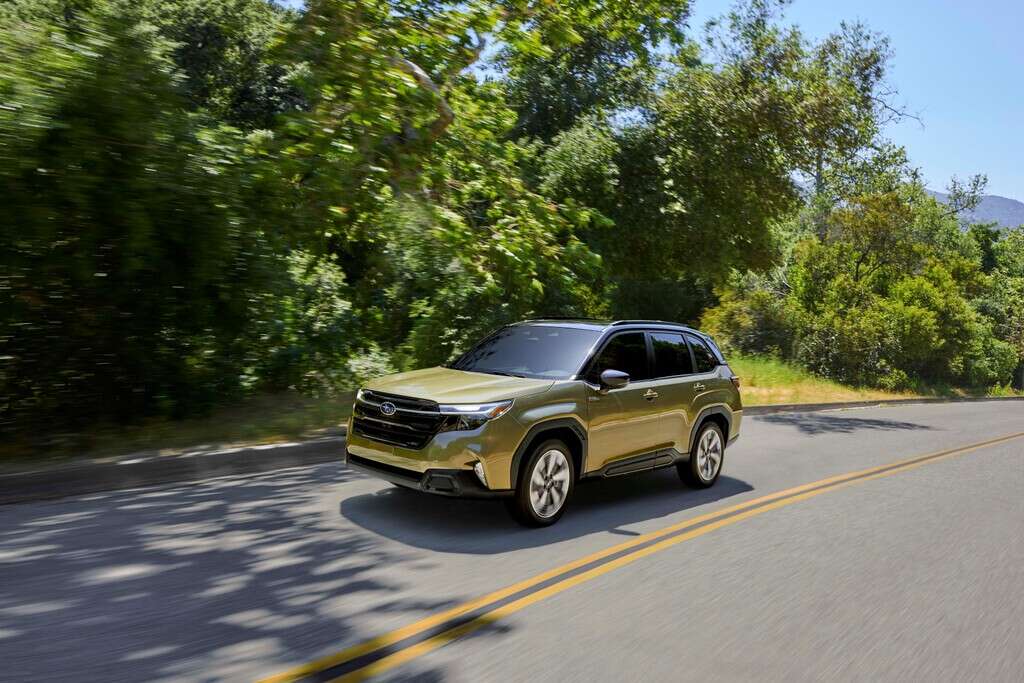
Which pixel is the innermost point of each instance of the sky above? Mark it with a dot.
(958, 64)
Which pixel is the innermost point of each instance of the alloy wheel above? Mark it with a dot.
(549, 483)
(709, 455)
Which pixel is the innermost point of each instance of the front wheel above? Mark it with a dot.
(705, 463)
(544, 485)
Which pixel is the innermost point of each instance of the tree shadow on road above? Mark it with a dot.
(821, 423)
(237, 578)
(454, 525)
(217, 581)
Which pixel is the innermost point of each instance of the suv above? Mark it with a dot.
(540, 405)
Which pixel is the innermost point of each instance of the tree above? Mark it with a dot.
(223, 51)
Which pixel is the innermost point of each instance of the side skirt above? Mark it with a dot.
(645, 462)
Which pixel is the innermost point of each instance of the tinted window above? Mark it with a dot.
(671, 357)
(626, 353)
(706, 361)
(539, 351)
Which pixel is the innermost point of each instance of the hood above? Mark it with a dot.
(445, 385)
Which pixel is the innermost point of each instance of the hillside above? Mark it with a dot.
(1009, 213)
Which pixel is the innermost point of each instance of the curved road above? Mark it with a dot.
(873, 572)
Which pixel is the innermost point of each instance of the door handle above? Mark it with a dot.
(699, 387)
(650, 394)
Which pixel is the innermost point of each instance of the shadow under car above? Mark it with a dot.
(458, 525)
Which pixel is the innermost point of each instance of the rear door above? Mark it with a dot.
(711, 385)
(623, 422)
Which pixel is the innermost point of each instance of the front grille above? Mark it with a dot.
(413, 425)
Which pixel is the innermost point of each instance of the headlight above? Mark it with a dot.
(468, 416)
(361, 394)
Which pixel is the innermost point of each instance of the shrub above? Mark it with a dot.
(758, 322)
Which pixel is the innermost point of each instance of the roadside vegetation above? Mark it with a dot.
(770, 381)
(220, 217)
(279, 418)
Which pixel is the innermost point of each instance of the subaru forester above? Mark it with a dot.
(539, 405)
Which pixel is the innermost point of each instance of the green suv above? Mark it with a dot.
(540, 405)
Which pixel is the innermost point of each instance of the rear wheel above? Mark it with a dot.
(544, 485)
(705, 463)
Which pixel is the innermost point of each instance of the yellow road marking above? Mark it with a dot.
(762, 505)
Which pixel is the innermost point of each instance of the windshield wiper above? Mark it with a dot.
(503, 373)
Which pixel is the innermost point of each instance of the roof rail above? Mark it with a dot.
(648, 322)
(561, 317)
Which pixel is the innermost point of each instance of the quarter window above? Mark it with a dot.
(705, 360)
(671, 356)
(624, 352)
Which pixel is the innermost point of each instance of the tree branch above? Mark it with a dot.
(445, 115)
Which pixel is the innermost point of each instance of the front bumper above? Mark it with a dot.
(443, 482)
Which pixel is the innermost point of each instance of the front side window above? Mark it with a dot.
(705, 360)
(671, 356)
(536, 351)
(624, 352)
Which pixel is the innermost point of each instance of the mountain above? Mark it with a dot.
(1009, 213)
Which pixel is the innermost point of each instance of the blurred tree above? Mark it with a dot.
(128, 268)
(222, 49)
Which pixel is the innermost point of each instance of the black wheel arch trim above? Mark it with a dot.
(704, 415)
(556, 423)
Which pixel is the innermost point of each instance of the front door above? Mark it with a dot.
(625, 422)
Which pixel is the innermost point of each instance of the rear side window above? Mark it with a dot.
(671, 356)
(624, 352)
(702, 356)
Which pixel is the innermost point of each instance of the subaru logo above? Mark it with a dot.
(387, 408)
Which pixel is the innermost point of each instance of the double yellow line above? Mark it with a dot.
(377, 655)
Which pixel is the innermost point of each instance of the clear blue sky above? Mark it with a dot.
(959, 64)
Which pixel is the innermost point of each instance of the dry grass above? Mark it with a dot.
(768, 381)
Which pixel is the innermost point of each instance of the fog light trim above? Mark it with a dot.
(478, 470)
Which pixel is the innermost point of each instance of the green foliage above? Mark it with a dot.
(754, 322)
(886, 300)
(221, 51)
(127, 264)
(305, 330)
(580, 164)
(1003, 302)
(609, 67)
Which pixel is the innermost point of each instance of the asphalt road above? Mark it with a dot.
(913, 573)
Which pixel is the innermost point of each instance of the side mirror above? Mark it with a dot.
(613, 379)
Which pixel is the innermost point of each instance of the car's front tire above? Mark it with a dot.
(544, 485)
(705, 462)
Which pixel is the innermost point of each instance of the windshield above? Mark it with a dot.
(536, 351)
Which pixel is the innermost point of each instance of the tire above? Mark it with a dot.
(545, 485)
(701, 470)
